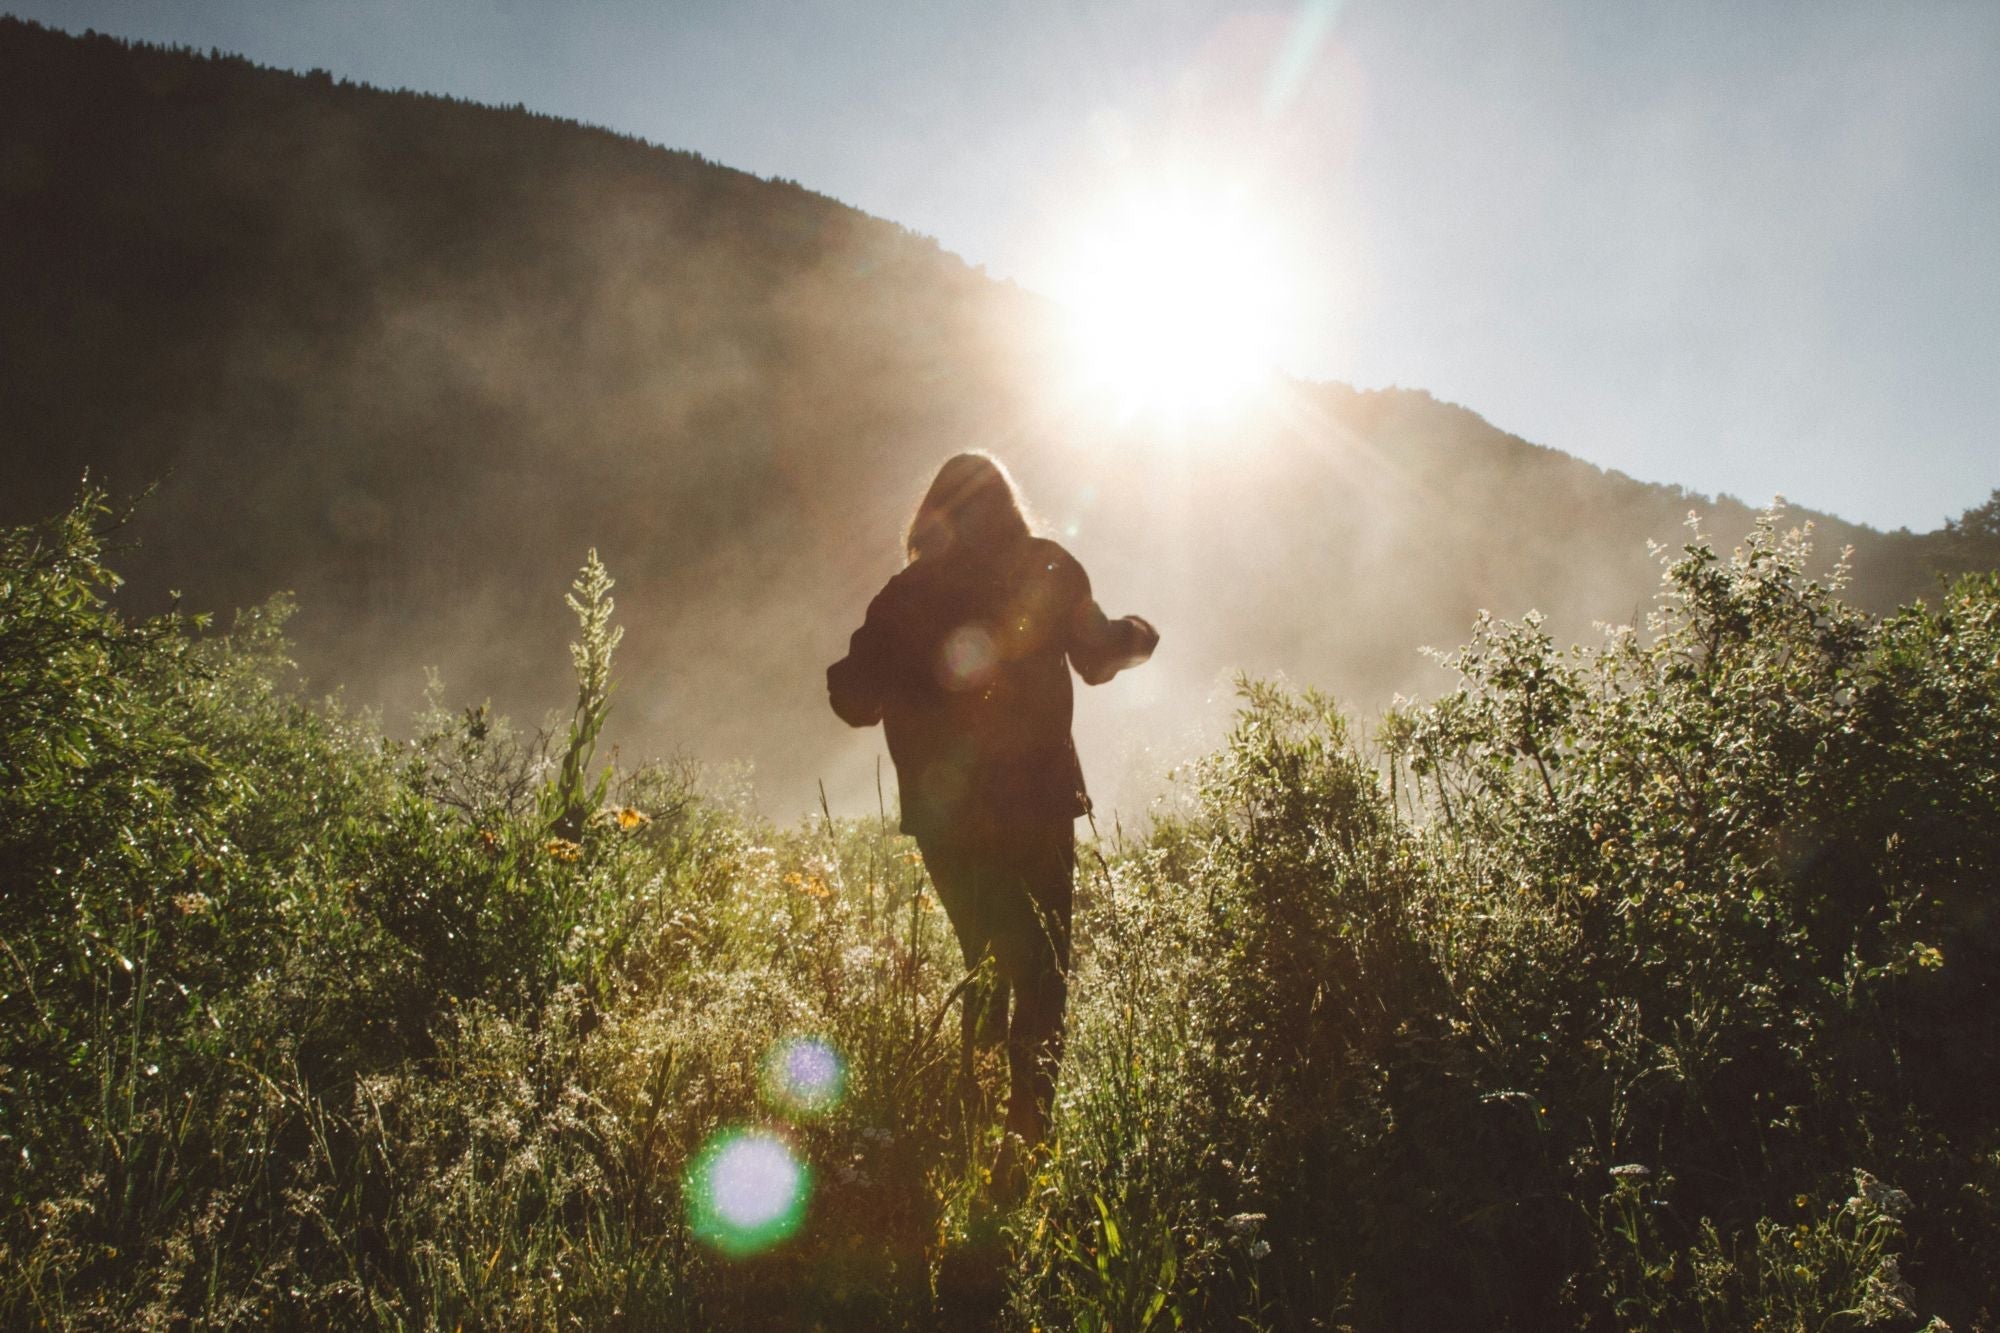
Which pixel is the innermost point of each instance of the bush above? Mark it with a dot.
(1649, 985)
(1581, 1003)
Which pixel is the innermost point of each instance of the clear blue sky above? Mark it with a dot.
(1751, 248)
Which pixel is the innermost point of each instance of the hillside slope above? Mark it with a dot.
(409, 357)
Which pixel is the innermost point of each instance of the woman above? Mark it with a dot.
(964, 659)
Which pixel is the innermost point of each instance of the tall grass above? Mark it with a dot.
(1643, 986)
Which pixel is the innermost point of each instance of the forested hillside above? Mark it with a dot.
(404, 356)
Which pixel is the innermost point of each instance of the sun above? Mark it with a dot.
(1174, 300)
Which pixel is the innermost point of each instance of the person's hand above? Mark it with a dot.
(1144, 641)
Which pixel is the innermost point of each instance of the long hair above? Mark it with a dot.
(971, 506)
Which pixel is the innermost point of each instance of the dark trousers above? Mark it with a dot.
(1010, 898)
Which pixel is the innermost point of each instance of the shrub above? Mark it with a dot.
(1649, 985)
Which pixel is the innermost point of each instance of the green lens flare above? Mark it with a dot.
(746, 1191)
(804, 1077)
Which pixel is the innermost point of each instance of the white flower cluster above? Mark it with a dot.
(1246, 1224)
(1871, 1194)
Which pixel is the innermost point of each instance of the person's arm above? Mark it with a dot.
(1100, 647)
(858, 683)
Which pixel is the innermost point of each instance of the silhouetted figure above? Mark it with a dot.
(964, 658)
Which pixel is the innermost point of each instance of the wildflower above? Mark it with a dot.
(1259, 1248)
(192, 904)
(1631, 1171)
(629, 819)
(562, 849)
(1888, 1292)
(1244, 1223)
(810, 885)
(1872, 1193)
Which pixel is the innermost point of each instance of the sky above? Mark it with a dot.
(1744, 248)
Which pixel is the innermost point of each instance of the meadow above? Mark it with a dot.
(1649, 984)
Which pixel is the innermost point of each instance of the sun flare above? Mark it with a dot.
(1174, 305)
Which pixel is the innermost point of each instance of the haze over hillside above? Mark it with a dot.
(411, 357)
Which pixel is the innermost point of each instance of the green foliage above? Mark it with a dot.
(1605, 961)
(173, 831)
(1649, 985)
(305, 1027)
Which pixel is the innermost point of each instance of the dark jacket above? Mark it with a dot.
(965, 662)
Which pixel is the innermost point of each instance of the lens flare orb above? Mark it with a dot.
(804, 1077)
(967, 657)
(746, 1192)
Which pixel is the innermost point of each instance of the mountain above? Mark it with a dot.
(409, 357)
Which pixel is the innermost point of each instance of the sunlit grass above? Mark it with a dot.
(1480, 1021)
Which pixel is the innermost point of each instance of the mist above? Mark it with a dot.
(408, 359)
